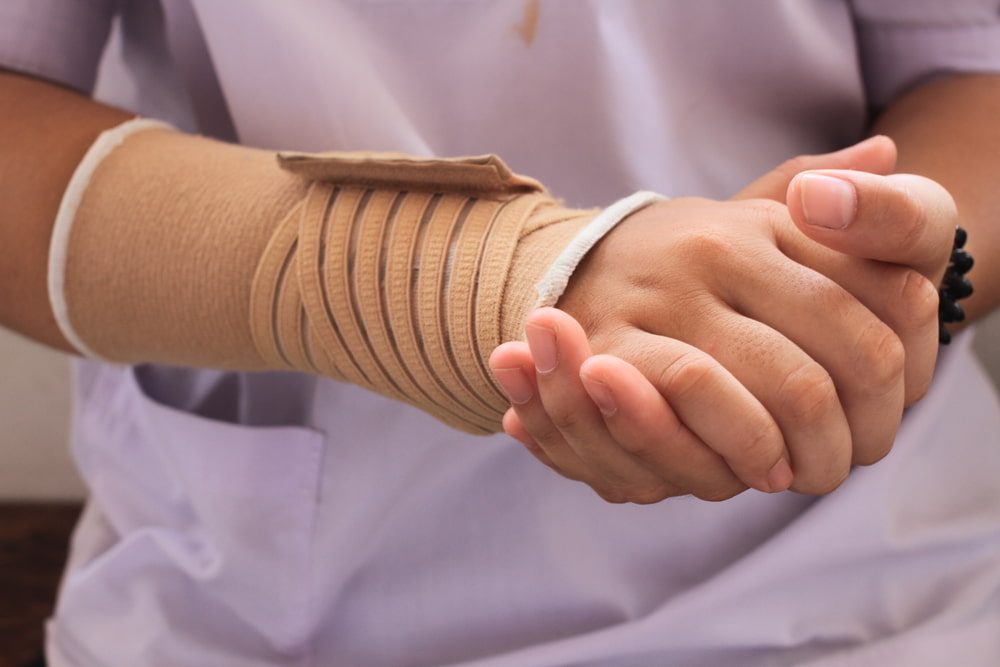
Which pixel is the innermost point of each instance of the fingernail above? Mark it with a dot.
(828, 201)
(542, 342)
(515, 384)
(601, 395)
(780, 476)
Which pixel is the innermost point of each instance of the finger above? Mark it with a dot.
(901, 218)
(876, 155)
(718, 409)
(559, 346)
(640, 419)
(527, 421)
(514, 427)
(646, 427)
(513, 369)
(839, 369)
(905, 300)
(798, 393)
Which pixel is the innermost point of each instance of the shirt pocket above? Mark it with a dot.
(228, 506)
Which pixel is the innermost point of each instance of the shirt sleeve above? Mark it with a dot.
(59, 40)
(903, 43)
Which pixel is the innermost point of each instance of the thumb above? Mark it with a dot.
(876, 155)
(901, 218)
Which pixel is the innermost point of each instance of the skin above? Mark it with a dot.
(52, 129)
(758, 354)
(709, 392)
(841, 380)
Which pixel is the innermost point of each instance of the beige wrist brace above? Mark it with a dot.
(395, 273)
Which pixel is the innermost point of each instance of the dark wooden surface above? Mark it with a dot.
(33, 544)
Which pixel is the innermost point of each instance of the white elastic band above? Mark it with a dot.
(553, 283)
(106, 142)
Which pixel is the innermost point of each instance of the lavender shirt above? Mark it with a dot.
(277, 519)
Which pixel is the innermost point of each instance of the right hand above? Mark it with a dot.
(729, 397)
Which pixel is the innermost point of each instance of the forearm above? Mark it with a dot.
(44, 132)
(948, 130)
(398, 274)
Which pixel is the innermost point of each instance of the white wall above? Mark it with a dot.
(34, 409)
(34, 405)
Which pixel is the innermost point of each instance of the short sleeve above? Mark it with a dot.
(59, 40)
(905, 42)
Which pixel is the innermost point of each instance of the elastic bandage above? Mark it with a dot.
(395, 273)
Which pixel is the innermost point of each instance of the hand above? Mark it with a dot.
(833, 375)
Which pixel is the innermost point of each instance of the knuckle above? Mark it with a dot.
(644, 449)
(897, 204)
(866, 456)
(919, 298)
(536, 437)
(652, 495)
(611, 495)
(762, 438)
(904, 300)
(709, 242)
(765, 211)
(808, 392)
(822, 487)
(721, 492)
(882, 357)
(620, 491)
(689, 373)
(569, 473)
(565, 418)
(875, 447)
(650, 447)
(796, 165)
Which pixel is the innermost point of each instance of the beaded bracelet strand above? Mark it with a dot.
(954, 286)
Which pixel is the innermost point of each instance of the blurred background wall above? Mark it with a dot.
(34, 414)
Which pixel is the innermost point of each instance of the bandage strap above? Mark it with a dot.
(395, 273)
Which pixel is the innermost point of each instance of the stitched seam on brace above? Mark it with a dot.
(366, 284)
(458, 303)
(313, 283)
(268, 286)
(407, 319)
(414, 312)
(487, 213)
(554, 283)
(430, 315)
(358, 255)
(381, 299)
(398, 297)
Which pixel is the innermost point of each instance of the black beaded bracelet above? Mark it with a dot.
(954, 286)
